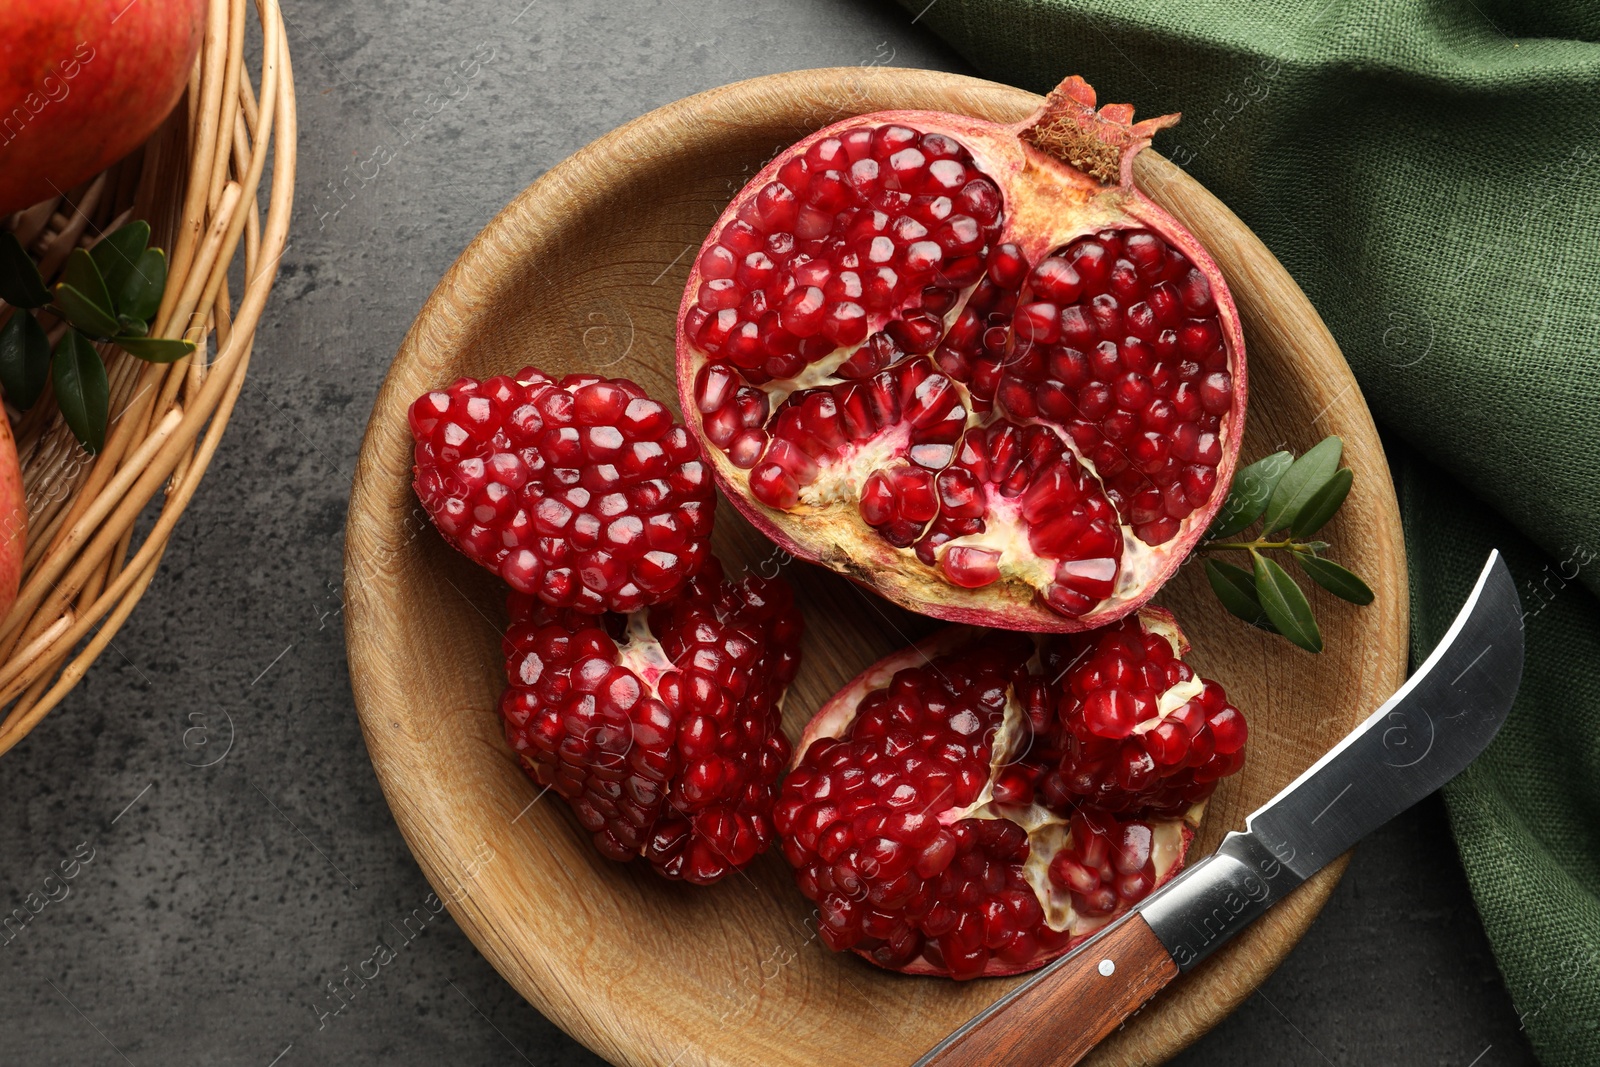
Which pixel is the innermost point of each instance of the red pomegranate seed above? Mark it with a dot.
(971, 568)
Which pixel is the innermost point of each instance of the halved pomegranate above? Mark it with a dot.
(660, 728)
(969, 365)
(982, 802)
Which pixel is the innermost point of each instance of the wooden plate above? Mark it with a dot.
(584, 271)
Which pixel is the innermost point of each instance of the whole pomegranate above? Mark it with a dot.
(968, 364)
(583, 492)
(660, 728)
(983, 802)
(83, 83)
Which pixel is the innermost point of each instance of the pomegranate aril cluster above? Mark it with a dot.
(1109, 864)
(1118, 341)
(1104, 739)
(860, 822)
(1114, 340)
(583, 493)
(662, 730)
(858, 226)
(1024, 475)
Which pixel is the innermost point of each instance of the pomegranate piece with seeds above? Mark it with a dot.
(660, 728)
(1127, 726)
(966, 807)
(998, 387)
(583, 493)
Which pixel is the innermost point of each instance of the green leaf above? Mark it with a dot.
(118, 252)
(1285, 604)
(154, 349)
(82, 297)
(20, 283)
(1248, 496)
(24, 359)
(84, 313)
(1335, 579)
(82, 389)
(83, 274)
(132, 327)
(1236, 588)
(139, 296)
(1323, 504)
(1301, 481)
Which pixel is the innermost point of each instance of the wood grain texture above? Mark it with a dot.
(584, 271)
(1057, 1020)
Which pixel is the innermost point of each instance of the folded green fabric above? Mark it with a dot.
(1430, 174)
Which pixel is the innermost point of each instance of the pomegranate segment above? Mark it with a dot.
(880, 222)
(1119, 343)
(1130, 726)
(984, 802)
(584, 493)
(913, 332)
(661, 728)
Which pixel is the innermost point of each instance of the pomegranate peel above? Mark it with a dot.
(967, 364)
(982, 802)
(85, 82)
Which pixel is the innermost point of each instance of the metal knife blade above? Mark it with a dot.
(1445, 715)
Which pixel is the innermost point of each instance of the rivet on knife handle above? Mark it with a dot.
(1098, 987)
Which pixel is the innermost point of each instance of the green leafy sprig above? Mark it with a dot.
(1293, 498)
(108, 293)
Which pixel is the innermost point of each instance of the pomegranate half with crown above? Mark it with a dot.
(968, 364)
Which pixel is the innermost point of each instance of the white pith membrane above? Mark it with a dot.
(640, 651)
(1062, 205)
(1048, 832)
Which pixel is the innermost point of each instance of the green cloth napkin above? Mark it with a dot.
(1430, 174)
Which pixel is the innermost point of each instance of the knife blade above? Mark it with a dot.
(1425, 734)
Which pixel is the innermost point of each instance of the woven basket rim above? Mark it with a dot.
(196, 181)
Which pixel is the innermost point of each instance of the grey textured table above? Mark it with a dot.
(220, 900)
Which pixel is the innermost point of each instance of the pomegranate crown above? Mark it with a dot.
(1100, 143)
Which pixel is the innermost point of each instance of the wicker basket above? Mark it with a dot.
(196, 182)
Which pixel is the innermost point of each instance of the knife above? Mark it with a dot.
(1424, 735)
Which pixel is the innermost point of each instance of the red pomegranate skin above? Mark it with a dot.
(83, 83)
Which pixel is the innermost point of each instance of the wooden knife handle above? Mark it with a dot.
(1057, 1020)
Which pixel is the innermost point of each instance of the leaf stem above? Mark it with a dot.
(1257, 545)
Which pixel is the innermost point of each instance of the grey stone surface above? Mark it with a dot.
(219, 901)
